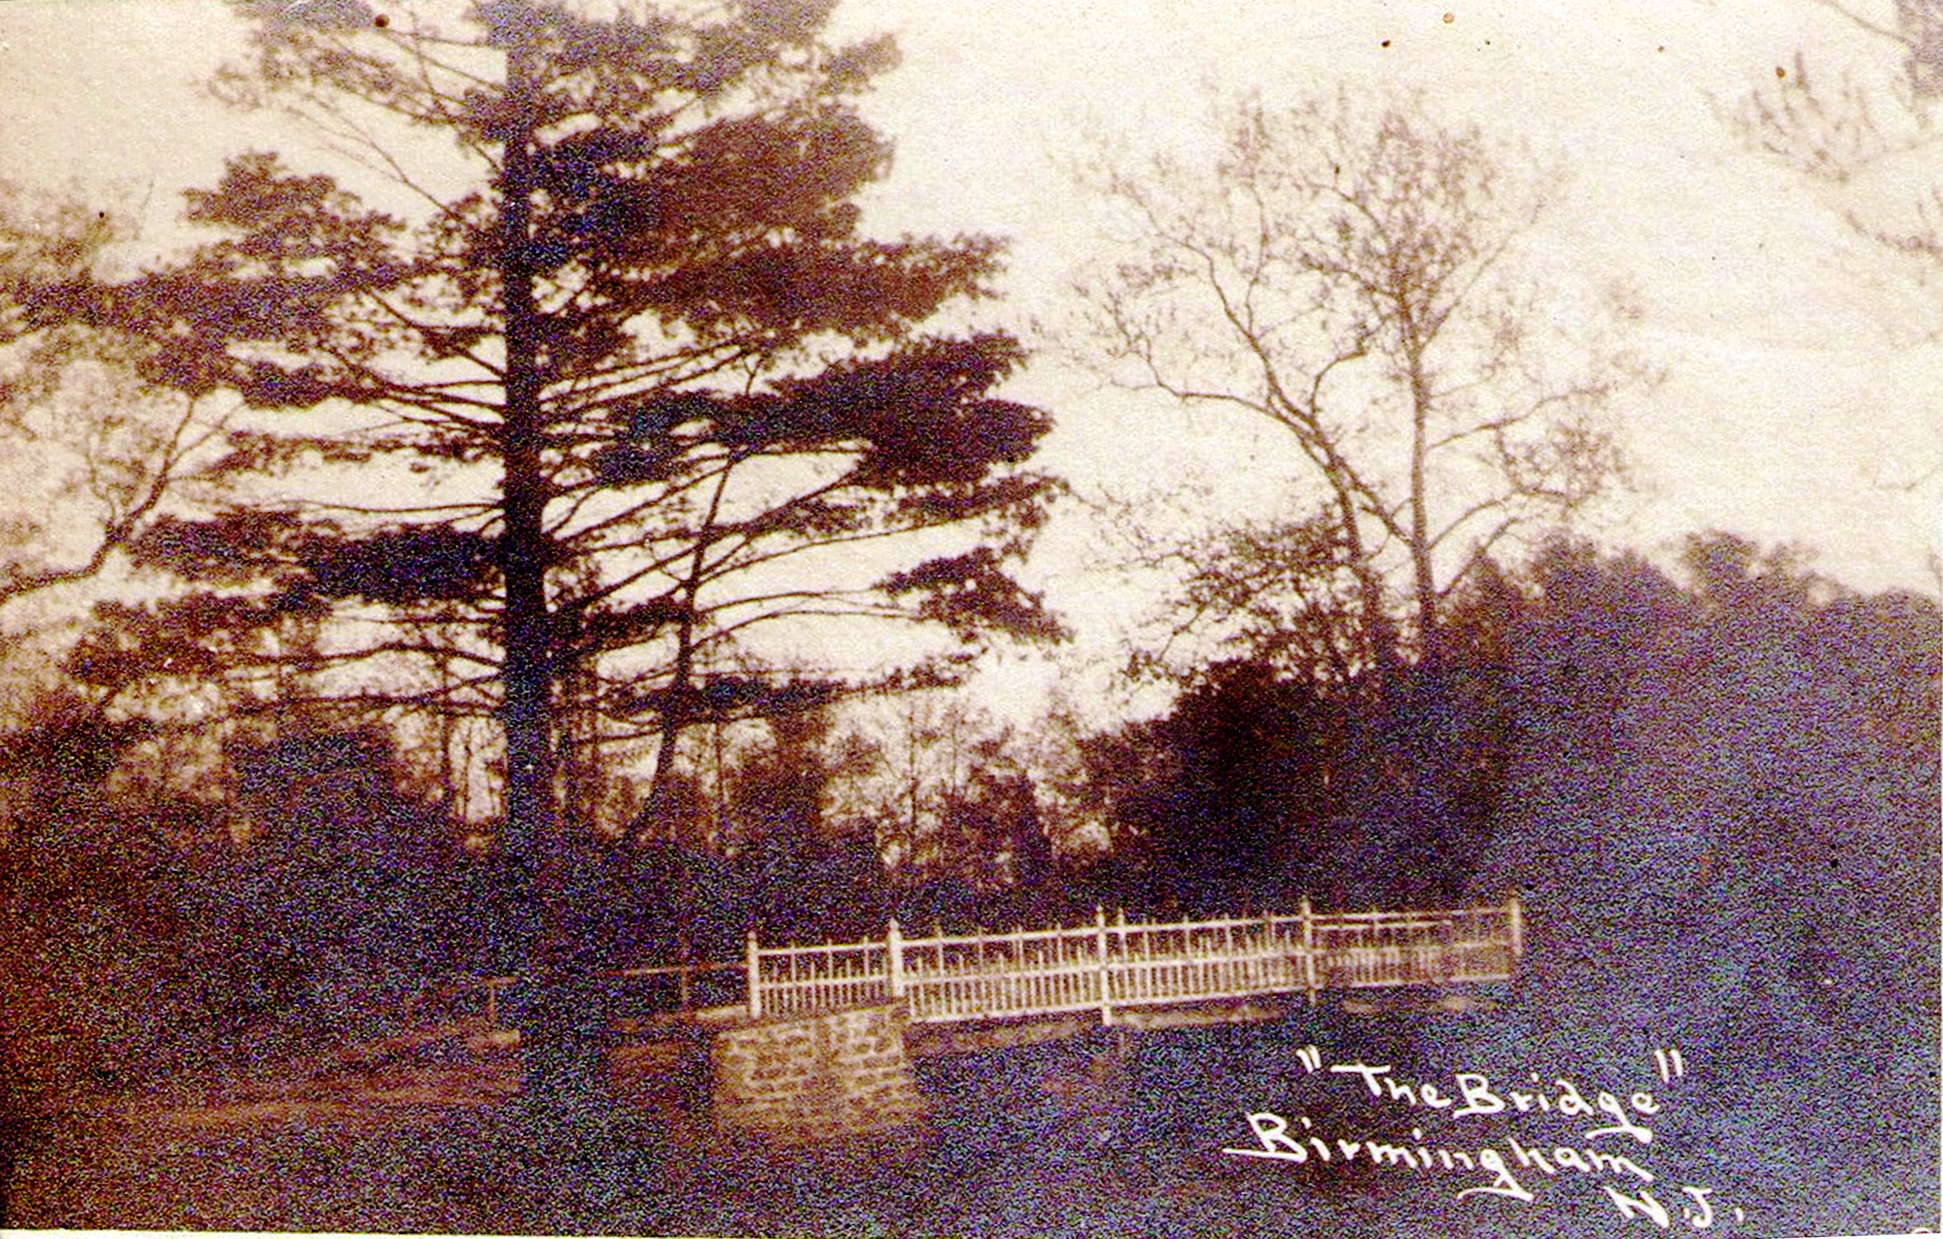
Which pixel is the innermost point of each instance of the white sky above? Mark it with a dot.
(1803, 401)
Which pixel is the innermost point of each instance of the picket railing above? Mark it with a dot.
(1102, 966)
(1108, 965)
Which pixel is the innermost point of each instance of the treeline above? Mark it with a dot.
(1776, 716)
(1770, 710)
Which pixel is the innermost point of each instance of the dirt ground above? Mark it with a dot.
(413, 1147)
(447, 1148)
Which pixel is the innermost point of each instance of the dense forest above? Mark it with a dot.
(1597, 734)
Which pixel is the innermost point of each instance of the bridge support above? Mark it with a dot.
(817, 1077)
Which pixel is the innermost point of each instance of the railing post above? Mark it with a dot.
(1309, 977)
(755, 977)
(1015, 984)
(1106, 985)
(1515, 913)
(894, 957)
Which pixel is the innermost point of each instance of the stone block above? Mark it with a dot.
(816, 1077)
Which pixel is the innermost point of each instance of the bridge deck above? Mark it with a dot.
(1102, 968)
(1105, 967)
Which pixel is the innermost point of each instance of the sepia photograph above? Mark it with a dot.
(1011, 618)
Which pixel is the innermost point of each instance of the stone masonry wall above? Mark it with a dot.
(817, 1077)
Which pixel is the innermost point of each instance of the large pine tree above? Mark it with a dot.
(615, 381)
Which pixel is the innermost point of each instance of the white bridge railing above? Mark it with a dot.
(1106, 965)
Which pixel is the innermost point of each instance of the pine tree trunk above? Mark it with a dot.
(558, 1023)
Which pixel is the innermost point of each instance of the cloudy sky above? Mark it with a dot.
(1802, 401)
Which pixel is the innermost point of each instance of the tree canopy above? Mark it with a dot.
(610, 383)
(91, 452)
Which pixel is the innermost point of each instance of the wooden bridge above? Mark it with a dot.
(1111, 965)
(1107, 966)
(804, 1042)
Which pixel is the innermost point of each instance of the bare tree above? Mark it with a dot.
(1351, 274)
(1273, 586)
(1849, 132)
(1839, 131)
